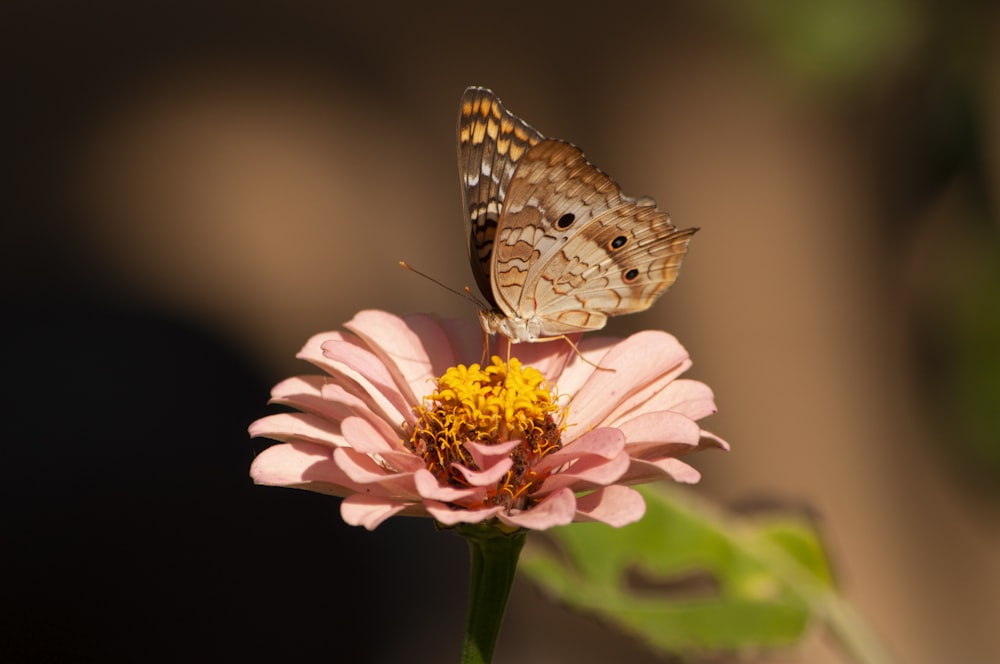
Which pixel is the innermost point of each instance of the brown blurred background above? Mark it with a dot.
(196, 188)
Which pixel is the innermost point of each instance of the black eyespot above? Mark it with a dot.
(618, 242)
(565, 221)
(630, 275)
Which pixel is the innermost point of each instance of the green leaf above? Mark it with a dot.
(687, 578)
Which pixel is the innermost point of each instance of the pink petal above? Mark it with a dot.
(596, 459)
(343, 404)
(580, 367)
(486, 455)
(303, 465)
(375, 479)
(697, 409)
(687, 389)
(415, 350)
(685, 396)
(316, 395)
(356, 364)
(709, 440)
(556, 509)
(429, 487)
(679, 471)
(642, 471)
(337, 393)
(400, 462)
(674, 393)
(449, 517)
(605, 442)
(291, 427)
(487, 476)
(438, 341)
(297, 385)
(588, 472)
(467, 340)
(614, 505)
(660, 434)
(643, 400)
(627, 368)
(368, 511)
(312, 350)
(364, 437)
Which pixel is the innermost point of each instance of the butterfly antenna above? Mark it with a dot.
(465, 293)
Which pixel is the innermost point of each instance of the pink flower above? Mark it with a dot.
(399, 426)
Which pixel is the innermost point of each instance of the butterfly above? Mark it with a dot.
(555, 246)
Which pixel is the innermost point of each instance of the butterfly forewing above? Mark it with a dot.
(491, 141)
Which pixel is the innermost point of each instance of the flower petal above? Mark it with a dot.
(329, 400)
(679, 471)
(581, 365)
(685, 396)
(369, 511)
(348, 359)
(312, 350)
(429, 487)
(587, 472)
(297, 386)
(605, 442)
(467, 339)
(709, 440)
(415, 349)
(372, 477)
(596, 459)
(344, 404)
(627, 368)
(291, 427)
(659, 434)
(363, 437)
(639, 402)
(487, 476)
(614, 505)
(301, 465)
(642, 471)
(487, 454)
(556, 509)
(449, 517)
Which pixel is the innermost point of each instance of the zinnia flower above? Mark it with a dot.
(406, 422)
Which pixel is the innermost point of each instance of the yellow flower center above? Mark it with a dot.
(495, 404)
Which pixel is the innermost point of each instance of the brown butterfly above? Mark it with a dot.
(555, 246)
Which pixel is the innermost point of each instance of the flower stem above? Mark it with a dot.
(494, 557)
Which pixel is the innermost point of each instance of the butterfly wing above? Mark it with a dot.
(571, 250)
(491, 141)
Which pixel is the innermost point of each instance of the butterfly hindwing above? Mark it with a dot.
(572, 250)
(620, 263)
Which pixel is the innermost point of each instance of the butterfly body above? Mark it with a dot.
(555, 246)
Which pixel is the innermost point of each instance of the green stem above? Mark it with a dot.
(494, 557)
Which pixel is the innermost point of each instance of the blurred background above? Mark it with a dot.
(196, 188)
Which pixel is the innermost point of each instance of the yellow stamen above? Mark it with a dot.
(499, 403)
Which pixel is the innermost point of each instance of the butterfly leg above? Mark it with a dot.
(576, 350)
(486, 348)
